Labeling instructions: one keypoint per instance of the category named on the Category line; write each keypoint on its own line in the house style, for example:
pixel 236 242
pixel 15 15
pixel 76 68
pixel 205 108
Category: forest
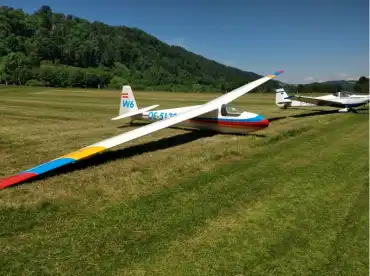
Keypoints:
pixel 359 86
pixel 59 50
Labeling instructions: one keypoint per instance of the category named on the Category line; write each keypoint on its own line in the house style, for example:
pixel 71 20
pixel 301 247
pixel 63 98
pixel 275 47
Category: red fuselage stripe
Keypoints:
pixel 231 123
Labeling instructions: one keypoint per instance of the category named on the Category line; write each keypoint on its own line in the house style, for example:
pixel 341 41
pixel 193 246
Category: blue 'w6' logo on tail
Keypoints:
pixel 128 104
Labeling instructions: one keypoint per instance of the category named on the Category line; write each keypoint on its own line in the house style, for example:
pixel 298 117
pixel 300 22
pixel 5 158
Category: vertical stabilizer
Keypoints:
pixel 128 103
pixel 280 98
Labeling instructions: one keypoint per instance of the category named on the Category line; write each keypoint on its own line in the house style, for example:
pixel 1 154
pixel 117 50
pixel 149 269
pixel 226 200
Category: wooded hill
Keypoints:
pixel 359 86
pixel 53 49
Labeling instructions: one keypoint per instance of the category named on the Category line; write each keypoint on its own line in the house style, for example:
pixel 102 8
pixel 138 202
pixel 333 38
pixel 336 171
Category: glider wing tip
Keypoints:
pixel 278 72
pixel 15 179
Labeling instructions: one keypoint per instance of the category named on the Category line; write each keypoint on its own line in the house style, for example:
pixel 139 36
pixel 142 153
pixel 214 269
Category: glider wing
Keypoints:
pixel 133 134
pixel 316 101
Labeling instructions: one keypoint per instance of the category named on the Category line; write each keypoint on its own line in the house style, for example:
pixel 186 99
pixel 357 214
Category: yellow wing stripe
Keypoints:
pixel 82 153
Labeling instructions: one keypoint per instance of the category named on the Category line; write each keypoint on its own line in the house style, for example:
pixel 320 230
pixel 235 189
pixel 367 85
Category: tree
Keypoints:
pixel 117 82
pixel 362 85
pixel 64 50
pixel 197 87
pixel 300 88
pixel 17 67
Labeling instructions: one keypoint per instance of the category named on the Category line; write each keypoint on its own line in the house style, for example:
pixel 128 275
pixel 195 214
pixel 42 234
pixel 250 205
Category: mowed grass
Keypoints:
pixel 288 200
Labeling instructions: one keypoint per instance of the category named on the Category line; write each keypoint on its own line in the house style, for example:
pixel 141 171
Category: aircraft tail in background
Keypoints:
pixel 282 100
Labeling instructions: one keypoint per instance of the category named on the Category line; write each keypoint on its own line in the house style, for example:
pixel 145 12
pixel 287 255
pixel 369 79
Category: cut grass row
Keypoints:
pixel 290 201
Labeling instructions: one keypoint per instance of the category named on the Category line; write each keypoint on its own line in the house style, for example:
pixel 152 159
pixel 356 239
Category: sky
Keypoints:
pixel 314 40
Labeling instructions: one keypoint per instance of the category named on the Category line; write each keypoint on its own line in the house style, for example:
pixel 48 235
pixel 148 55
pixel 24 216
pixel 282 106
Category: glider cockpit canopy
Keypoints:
pixel 343 94
pixel 230 110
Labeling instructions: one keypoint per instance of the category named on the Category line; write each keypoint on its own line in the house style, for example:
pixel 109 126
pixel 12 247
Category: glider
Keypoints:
pixel 226 119
pixel 214 114
pixel 345 100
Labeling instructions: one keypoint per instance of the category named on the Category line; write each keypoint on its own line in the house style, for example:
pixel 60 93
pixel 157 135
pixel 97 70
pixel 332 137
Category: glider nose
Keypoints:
pixel 261 122
pixel 264 122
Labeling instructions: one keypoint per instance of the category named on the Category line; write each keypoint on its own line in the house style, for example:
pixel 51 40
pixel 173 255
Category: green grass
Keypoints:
pixel 291 200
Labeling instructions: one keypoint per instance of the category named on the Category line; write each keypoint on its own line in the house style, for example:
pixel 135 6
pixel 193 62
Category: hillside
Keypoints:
pixel 359 86
pixel 346 85
pixel 52 49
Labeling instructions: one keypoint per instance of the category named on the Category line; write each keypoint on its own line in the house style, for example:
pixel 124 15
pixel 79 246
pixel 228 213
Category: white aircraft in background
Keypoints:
pixel 345 100
pixel 213 115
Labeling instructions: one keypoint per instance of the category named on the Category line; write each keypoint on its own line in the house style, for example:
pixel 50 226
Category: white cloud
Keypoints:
pixel 309 78
pixel 343 75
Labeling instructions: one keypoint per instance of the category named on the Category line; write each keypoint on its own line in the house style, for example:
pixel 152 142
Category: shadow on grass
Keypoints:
pixel 111 155
pixel 138 124
pixel 315 112
pixel 133 124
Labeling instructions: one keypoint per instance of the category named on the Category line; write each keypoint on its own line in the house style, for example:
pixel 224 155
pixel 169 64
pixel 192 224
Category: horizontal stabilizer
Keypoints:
pixel 133 113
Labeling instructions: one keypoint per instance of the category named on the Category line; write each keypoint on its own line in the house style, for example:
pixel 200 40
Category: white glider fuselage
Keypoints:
pixel 342 99
pixel 226 118
pixel 220 120
pixel 348 100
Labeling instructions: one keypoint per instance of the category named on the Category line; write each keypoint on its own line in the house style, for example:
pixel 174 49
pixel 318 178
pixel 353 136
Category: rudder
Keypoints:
pixel 128 103
pixel 280 98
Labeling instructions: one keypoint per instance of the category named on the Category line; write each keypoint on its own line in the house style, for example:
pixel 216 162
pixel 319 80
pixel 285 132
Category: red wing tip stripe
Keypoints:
pixel 15 179
pixel 278 72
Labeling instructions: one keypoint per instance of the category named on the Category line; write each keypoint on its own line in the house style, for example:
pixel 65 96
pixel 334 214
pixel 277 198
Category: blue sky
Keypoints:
pixel 314 40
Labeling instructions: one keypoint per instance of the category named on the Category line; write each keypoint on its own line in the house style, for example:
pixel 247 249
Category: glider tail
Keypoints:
pixel 280 98
pixel 128 103
pixel 128 107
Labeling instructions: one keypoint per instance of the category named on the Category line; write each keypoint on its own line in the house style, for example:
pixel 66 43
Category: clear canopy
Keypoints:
pixel 346 94
pixel 230 110
pixel 343 94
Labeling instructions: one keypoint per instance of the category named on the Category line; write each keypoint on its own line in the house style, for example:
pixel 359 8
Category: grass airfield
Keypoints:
pixel 291 199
